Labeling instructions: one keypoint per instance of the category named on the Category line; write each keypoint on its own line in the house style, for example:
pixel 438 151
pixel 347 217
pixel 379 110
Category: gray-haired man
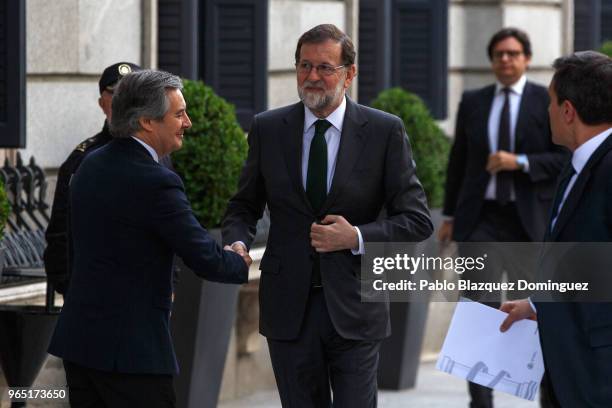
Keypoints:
pixel 129 217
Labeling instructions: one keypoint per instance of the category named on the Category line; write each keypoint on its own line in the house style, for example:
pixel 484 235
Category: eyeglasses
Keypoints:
pixel 497 55
pixel 323 69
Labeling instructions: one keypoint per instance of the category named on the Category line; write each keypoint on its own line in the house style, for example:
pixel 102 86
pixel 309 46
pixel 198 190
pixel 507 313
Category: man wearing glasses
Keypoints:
pixel 325 167
pixel 502 167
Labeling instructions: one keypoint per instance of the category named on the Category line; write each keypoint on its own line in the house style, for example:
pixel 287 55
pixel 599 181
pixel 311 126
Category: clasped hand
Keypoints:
pixel 334 233
pixel 502 161
pixel 241 250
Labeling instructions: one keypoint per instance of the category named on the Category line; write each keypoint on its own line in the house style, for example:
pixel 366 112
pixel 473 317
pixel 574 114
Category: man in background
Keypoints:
pixel 502 166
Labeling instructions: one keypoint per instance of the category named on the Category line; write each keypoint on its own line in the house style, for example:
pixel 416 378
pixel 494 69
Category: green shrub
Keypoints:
pixel 430 146
pixel 606 48
pixel 213 152
pixel 5 210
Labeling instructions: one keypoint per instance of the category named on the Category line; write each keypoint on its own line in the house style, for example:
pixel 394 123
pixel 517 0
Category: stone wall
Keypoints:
pixel 288 19
pixel 473 22
pixel 69 43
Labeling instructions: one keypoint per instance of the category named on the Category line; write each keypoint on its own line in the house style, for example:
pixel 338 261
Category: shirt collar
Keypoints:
pixel 583 153
pixel 151 151
pixel 518 87
pixel 336 118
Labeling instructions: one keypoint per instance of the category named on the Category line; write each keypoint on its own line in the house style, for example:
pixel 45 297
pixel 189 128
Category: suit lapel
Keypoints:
pixel 575 194
pixel 352 141
pixel 481 117
pixel 292 134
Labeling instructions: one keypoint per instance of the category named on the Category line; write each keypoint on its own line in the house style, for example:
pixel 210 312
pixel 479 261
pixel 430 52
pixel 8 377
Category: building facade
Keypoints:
pixel 52 53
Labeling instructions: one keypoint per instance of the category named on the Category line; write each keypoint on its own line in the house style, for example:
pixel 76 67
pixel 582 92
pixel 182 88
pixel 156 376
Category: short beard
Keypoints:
pixel 316 101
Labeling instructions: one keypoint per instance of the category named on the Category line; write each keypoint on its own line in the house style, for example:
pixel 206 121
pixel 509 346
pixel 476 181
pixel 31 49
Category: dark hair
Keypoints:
pixel 585 79
pixel 324 32
pixel 140 94
pixel 507 32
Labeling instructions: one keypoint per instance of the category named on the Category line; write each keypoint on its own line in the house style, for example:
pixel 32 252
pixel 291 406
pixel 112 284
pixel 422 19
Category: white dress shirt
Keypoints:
pixel 151 151
pixel 332 137
pixel 580 157
pixel 515 96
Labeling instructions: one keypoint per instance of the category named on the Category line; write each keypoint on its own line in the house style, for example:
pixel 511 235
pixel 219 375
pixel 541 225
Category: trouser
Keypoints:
pixel 91 388
pixel 321 362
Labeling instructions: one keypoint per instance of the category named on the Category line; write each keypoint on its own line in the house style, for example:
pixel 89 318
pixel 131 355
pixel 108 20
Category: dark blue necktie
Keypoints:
pixel 563 183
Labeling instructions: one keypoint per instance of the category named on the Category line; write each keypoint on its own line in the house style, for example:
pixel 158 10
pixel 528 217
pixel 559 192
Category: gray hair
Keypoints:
pixel 140 94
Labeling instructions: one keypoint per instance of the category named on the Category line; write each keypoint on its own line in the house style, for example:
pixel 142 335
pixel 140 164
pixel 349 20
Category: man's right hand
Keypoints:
pixel 517 310
pixel 241 250
pixel 445 233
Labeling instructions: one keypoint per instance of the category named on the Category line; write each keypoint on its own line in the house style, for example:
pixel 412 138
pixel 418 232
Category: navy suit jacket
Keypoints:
pixel 374 172
pixel 129 217
pixel 467 177
pixel 577 337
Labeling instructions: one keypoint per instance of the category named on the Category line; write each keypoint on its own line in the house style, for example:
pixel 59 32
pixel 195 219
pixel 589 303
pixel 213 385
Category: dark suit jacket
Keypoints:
pixel 59 251
pixel 130 216
pixel 467 178
pixel 374 171
pixel 577 337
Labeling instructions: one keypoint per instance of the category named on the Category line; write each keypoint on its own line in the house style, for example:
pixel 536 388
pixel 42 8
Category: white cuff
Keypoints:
pixel 532 306
pixel 523 160
pixel 241 243
pixel 361 249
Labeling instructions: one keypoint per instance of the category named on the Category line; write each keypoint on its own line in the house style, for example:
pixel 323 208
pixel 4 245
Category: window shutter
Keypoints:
pixel 420 50
pixel 586 24
pixel 606 20
pixel 235 56
pixel 177 37
pixel 374 53
pixel 12 74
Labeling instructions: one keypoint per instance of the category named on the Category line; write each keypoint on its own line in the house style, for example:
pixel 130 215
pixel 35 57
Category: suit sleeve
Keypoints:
pixel 246 207
pixel 407 216
pixel 456 163
pixel 173 220
pixel 546 166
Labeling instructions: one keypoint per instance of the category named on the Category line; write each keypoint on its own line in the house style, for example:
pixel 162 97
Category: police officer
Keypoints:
pixel 58 254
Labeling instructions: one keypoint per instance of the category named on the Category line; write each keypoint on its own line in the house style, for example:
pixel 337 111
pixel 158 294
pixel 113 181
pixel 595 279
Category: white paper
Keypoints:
pixel 476 350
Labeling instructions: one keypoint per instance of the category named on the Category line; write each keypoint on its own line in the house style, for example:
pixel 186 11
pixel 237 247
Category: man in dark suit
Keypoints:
pixel 59 252
pixel 502 168
pixel 576 338
pixel 130 216
pixel 325 167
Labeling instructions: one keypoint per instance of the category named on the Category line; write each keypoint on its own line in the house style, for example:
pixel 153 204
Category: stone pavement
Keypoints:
pixel 434 390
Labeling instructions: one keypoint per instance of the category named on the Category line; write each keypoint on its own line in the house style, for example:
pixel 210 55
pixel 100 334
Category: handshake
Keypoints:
pixel 241 250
